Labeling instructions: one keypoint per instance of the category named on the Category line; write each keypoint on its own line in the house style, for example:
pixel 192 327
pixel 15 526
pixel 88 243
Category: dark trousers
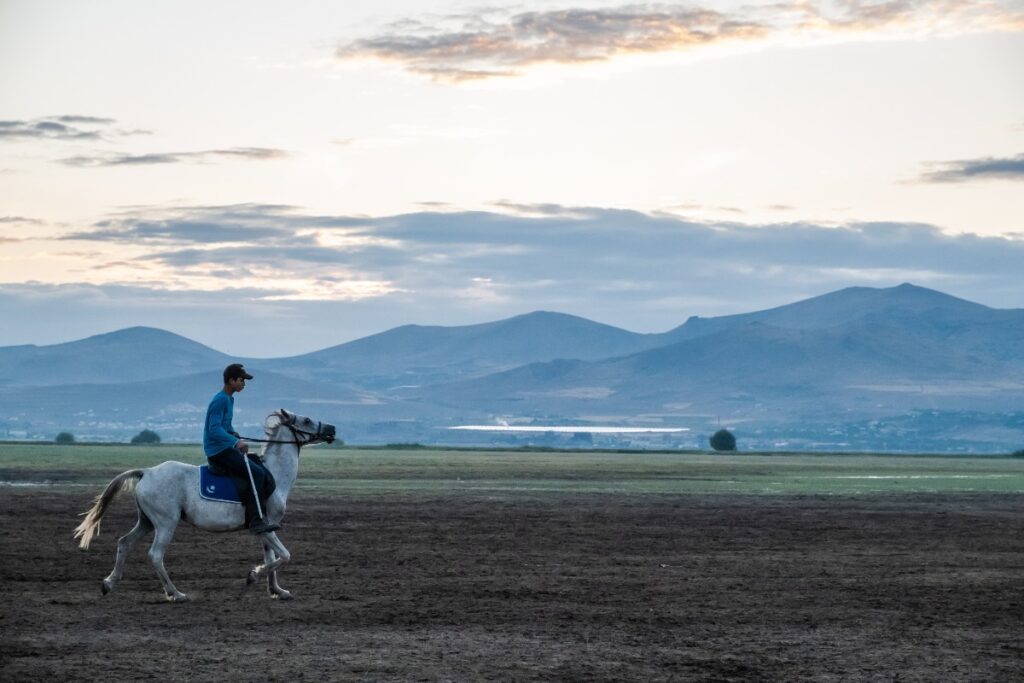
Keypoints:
pixel 232 461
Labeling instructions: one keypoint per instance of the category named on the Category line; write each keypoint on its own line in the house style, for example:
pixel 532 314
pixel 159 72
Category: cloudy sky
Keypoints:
pixel 272 178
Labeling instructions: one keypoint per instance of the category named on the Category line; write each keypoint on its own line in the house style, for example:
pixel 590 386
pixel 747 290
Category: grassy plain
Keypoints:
pixel 356 471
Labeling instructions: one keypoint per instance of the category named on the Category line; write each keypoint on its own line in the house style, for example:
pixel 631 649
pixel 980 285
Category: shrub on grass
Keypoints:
pixel 64 438
pixel 723 440
pixel 146 436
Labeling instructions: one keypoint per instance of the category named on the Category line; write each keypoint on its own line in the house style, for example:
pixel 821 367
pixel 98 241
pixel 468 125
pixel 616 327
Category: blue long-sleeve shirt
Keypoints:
pixel 218 434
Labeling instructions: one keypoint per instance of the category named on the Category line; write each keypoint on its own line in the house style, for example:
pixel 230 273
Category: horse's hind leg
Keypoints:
pixel 161 540
pixel 255 572
pixel 124 546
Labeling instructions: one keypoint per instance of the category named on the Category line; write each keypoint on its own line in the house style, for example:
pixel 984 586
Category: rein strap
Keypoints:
pixel 247 438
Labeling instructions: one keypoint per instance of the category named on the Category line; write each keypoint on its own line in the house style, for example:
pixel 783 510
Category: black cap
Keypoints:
pixel 234 371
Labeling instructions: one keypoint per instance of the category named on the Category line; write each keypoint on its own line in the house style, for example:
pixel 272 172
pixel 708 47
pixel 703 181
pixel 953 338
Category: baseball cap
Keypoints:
pixel 234 371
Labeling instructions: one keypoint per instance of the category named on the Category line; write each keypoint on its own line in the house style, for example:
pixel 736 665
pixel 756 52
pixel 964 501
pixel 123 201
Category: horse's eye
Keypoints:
pixel 308 421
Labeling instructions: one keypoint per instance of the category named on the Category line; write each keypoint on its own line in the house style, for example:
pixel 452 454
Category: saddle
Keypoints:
pixel 215 484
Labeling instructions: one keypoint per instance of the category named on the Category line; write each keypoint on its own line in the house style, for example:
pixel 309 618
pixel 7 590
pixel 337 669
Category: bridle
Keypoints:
pixel 289 422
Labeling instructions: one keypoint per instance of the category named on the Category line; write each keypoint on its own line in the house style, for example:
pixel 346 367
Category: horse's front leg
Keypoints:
pixel 274 556
pixel 277 556
pixel 273 587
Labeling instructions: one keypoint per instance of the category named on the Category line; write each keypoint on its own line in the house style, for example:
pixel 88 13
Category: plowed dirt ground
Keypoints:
pixel 545 587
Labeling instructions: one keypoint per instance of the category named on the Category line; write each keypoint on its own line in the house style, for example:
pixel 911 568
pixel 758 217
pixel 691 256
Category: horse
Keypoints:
pixel 169 492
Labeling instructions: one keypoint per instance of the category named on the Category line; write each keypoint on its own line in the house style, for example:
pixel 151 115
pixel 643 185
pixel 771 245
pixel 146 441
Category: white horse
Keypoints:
pixel 169 492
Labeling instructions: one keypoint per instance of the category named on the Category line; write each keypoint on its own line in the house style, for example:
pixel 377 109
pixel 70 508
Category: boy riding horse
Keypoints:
pixel 228 451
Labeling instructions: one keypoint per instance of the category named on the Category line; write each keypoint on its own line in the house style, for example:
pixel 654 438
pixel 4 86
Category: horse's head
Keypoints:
pixel 305 430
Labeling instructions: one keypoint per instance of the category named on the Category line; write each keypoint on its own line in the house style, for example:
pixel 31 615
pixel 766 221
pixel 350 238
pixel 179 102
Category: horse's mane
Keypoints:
pixel 268 428
pixel 273 421
pixel 271 424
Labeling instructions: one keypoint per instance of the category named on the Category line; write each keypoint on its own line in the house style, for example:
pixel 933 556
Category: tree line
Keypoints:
pixel 146 436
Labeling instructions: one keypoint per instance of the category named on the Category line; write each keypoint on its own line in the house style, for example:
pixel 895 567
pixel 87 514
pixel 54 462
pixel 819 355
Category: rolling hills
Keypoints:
pixel 898 368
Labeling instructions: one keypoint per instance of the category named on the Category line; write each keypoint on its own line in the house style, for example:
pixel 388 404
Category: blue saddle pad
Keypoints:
pixel 217 487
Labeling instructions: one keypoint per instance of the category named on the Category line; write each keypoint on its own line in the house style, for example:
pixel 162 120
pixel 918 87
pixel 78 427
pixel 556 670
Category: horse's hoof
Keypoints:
pixel 177 597
pixel 106 587
pixel 282 595
pixel 251 578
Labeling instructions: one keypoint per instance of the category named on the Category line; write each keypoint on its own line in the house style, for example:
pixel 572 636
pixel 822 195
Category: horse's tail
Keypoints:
pixel 90 526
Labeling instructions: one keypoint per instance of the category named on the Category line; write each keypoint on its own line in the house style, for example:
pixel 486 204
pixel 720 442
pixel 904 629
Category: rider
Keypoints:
pixel 229 451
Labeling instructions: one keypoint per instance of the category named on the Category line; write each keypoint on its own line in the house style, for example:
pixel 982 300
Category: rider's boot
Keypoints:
pixel 261 526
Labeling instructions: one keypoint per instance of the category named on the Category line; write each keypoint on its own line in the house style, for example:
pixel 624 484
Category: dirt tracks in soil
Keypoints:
pixel 542 588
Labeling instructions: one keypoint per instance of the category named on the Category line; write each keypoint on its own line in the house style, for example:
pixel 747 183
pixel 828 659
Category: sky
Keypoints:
pixel 275 178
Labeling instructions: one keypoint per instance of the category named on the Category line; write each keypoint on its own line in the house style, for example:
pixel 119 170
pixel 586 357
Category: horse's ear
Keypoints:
pixel 286 416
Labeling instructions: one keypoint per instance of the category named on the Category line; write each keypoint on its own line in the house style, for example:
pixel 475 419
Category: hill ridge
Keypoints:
pixel 840 369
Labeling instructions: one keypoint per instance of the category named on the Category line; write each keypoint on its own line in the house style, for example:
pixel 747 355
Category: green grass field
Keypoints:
pixel 451 472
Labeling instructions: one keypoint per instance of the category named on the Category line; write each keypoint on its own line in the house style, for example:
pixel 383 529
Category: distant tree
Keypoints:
pixel 723 440
pixel 1018 454
pixel 64 438
pixel 582 440
pixel 146 436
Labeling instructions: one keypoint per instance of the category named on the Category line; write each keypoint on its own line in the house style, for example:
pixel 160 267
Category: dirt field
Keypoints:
pixel 549 587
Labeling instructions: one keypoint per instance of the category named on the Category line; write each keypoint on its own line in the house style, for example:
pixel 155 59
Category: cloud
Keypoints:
pixel 20 225
pixel 541 241
pixel 94 128
pixel 271 251
pixel 546 209
pixel 91 120
pixel 66 127
pixel 271 226
pixel 483 49
pixel 304 281
pixel 206 156
pixel 989 168
pixel 503 43
pixel 316 281
pixel 631 268
pixel 172 232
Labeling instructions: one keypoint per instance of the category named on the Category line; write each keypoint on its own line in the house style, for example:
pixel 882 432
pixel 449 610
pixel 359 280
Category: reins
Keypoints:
pixel 249 438
pixel 298 443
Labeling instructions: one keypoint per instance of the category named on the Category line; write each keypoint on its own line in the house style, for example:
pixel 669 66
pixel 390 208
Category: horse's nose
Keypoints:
pixel 329 431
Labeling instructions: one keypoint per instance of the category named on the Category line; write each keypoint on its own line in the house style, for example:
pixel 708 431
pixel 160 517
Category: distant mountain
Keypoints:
pixel 753 356
pixel 896 368
pixel 888 305
pixel 132 354
pixel 855 353
pixel 415 354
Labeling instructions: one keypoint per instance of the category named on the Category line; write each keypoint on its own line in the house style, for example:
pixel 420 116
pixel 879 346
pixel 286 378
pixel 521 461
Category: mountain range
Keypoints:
pixel 903 369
